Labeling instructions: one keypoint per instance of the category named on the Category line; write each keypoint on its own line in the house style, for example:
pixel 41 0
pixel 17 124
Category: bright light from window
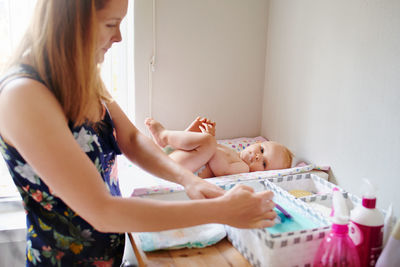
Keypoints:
pixel 117 70
pixel 14 18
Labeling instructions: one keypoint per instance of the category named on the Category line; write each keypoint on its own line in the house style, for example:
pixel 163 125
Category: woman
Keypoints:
pixel 60 133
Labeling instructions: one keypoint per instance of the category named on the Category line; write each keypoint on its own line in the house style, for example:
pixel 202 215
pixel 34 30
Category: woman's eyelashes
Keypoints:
pixel 113 23
pixel 264 164
pixel 262 150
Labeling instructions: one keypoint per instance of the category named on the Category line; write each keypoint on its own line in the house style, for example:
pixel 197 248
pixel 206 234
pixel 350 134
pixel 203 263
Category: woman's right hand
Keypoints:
pixel 244 208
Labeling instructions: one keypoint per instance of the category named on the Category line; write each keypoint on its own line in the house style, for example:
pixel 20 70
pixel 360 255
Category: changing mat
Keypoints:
pixel 237 144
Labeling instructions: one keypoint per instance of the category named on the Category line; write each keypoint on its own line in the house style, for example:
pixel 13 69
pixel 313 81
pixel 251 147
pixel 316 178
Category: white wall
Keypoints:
pixel 332 88
pixel 210 62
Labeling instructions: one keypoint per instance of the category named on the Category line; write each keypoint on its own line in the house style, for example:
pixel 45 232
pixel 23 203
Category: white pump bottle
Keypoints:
pixel 366 227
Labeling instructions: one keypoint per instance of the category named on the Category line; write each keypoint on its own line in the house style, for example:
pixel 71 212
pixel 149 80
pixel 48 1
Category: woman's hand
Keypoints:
pixel 198 188
pixel 245 209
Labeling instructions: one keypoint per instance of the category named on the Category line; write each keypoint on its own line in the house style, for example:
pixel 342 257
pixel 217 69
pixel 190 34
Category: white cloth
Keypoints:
pixel 191 237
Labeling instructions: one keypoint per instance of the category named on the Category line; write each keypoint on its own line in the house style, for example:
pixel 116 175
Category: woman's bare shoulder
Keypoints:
pixel 24 90
pixel 25 99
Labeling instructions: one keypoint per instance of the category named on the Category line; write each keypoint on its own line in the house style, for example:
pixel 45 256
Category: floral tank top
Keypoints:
pixel 56 235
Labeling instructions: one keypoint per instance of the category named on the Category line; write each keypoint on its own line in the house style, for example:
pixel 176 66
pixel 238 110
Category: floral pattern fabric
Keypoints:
pixel 56 235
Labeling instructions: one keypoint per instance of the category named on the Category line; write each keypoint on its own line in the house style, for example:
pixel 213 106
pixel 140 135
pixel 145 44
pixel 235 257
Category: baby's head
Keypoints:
pixel 267 155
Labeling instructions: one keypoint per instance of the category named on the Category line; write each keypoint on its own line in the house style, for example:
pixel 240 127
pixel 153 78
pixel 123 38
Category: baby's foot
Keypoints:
pixel 157 131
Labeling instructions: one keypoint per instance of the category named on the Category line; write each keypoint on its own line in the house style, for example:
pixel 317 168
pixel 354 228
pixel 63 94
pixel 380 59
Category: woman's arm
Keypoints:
pixel 239 207
pixel 33 122
pixel 145 153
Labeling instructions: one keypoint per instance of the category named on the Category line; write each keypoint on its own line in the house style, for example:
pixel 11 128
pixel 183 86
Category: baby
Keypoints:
pixel 196 149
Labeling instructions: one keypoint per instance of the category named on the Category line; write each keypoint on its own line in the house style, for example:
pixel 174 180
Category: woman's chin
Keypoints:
pixel 100 58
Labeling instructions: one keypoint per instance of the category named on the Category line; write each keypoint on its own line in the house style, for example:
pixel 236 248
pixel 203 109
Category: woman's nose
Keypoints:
pixel 117 36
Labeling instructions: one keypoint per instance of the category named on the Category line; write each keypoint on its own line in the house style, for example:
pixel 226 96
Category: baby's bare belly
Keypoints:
pixel 222 158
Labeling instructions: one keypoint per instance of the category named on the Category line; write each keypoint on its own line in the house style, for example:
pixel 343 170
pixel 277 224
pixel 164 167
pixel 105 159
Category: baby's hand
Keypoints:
pixel 208 127
pixel 199 122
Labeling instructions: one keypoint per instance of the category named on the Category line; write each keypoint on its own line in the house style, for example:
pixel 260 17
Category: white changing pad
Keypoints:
pixel 136 182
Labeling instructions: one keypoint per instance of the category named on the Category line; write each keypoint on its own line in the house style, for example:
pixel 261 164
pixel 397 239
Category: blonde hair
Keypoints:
pixel 60 44
pixel 286 154
pixel 289 157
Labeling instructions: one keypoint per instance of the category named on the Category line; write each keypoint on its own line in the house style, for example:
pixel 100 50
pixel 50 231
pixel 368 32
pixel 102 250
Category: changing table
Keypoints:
pixel 221 254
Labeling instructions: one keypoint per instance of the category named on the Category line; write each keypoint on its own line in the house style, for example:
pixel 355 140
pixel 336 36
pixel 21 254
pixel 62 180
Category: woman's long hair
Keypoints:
pixel 60 44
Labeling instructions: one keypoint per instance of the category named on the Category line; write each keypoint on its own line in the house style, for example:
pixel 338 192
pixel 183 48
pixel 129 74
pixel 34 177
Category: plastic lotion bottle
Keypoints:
pixel 366 227
pixel 337 249
pixel 390 256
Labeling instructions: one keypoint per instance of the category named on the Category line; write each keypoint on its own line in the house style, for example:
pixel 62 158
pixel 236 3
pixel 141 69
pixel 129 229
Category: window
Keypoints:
pixel 14 15
pixel 117 69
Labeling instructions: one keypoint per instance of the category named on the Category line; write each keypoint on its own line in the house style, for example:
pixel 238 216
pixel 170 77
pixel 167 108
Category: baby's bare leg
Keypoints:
pixel 198 157
pixel 193 149
pixel 194 126
pixel 185 140
pixel 157 131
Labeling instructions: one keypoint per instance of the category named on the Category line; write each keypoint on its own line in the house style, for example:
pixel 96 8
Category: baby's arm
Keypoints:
pixel 237 167
pixel 222 164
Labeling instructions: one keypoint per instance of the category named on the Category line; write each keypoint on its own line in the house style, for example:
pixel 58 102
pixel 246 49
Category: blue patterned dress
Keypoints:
pixel 56 235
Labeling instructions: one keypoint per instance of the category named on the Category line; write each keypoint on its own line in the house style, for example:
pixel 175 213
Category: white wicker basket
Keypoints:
pixel 261 248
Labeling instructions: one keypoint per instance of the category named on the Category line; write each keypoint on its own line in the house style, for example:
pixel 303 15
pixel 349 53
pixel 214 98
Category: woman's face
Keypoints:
pixel 109 20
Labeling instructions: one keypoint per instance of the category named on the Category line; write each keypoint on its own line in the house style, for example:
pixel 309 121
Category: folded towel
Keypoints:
pixel 190 237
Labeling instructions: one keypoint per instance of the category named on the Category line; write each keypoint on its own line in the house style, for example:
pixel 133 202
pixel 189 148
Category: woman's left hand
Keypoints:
pixel 198 188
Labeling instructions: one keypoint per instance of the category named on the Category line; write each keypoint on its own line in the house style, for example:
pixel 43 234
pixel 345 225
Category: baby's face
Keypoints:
pixel 265 156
